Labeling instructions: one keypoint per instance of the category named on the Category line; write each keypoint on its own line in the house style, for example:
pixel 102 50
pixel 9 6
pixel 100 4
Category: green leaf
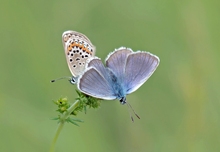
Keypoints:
pixel 73 120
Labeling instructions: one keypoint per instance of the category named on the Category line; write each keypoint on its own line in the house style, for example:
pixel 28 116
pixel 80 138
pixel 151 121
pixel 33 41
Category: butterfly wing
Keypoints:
pixel 116 61
pixel 78 49
pixel 139 67
pixel 71 34
pixel 97 64
pixel 94 82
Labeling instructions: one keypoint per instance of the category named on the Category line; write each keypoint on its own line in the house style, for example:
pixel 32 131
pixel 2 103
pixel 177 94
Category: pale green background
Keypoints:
pixel 179 105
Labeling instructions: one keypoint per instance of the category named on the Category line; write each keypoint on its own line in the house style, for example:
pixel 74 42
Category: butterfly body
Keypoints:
pixel 124 73
pixel 118 89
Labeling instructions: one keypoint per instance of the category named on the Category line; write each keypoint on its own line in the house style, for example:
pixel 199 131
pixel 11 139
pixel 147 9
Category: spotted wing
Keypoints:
pixel 78 49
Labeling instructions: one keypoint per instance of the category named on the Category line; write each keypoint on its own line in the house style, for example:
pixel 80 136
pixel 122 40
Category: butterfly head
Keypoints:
pixel 73 80
pixel 123 100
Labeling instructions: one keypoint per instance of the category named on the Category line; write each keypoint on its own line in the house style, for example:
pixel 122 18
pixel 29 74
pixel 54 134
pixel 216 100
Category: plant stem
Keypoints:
pixel 61 123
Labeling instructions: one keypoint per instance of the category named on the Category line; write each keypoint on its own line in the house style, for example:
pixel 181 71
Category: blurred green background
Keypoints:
pixel 179 105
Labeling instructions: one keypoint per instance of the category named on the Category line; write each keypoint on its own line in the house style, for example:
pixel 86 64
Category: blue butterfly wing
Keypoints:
pixel 116 61
pixel 98 65
pixel 126 71
pixel 94 82
pixel 139 67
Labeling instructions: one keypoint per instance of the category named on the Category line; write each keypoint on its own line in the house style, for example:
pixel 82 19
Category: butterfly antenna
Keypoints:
pixel 129 109
pixel 133 111
pixel 61 78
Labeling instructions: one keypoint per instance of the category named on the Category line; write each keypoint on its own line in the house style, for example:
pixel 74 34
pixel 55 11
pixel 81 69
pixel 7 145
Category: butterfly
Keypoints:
pixel 124 72
pixel 78 49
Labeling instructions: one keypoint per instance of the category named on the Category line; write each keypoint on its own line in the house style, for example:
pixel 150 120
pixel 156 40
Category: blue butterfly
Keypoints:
pixel 124 73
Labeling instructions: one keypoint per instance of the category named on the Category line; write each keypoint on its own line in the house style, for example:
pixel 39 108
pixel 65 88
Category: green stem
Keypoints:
pixel 61 123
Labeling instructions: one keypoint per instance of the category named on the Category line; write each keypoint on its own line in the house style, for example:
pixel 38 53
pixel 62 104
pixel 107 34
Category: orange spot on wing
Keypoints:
pixel 80 46
pixel 69 48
